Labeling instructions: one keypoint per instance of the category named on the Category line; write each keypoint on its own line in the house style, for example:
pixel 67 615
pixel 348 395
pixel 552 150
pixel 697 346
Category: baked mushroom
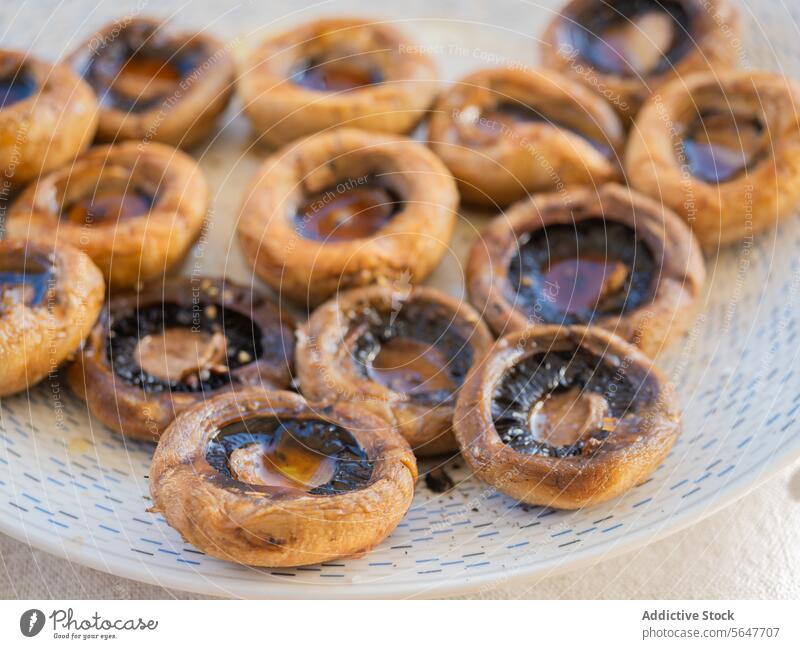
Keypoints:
pixel 608 257
pixel 154 83
pixel 399 351
pixel 347 208
pixel 721 150
pixel 47 116
pixel 505 133
pixel 627 48
pixel 135 209
pixel 49 301
pixel 565 417
pixel 335 72
pixel 155 353
pixel 266 479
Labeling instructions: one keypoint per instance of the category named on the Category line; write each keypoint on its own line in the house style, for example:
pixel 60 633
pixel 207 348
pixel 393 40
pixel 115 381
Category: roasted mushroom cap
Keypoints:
pixel 722 150
pixel 625 49
pixel 155 353
pixel 49 301
pixel 154 84
pixel 565 416
pixel 263 478
pixel 335 72
pixel 47 116
pixel 399 351
pixel 506 133
pixel 347 208
pixel 609 257
pixel 135 209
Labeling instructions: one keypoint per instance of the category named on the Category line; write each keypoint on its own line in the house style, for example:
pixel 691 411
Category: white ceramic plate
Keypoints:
pixel 73 488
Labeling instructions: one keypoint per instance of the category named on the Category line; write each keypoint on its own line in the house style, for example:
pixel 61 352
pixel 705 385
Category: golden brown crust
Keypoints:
pixel 271 526
pixel 281 110
pixel 638 444
pixel 680 271
pixel 726 212
pixel 526 156
pixel 35 340
pixel 135 413
pixel 135 249
pixel 183 117
pixel 714 35
pixel 308 271
pixel 49 128
pixel 327 368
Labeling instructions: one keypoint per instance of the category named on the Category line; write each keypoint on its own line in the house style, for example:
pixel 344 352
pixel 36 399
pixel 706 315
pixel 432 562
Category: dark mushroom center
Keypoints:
pixel 24 279
pixel 551 403
pixel 310 455
pixel 501 118
pixel 108 203
pixel 573 274
pixel 16 85
pixel 352 209
pixel 337 74
pixel 140 68
pixel 721 145
pixel 418 350
pixel 182 348
pixel 631 37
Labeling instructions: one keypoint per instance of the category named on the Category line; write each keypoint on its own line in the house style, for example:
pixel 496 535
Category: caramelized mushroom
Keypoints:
pixel 609 257
pixel 155 84
pixel 335 72
pixel 626 49
pixel 347 208
pixel 506 133
pixel 156 353
pixel 135 209
pixel 721 150
pixel 49 301
pixel 266 479
pixel 47 116
pixel 399 351
pixel 565 416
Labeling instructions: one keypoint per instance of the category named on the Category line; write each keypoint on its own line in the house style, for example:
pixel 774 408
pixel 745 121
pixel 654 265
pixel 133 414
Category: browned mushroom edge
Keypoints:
pixel 264 478
pixel 134 208
pixel 399 351
pixel 47 116
pixel 154 83
pixel 722 150
pixel 347 208
pixel 155 353
pixel 626 50
pixel 565 417
pixel 505 133
pixel 49 301
pixel 336 72
pixel 608 257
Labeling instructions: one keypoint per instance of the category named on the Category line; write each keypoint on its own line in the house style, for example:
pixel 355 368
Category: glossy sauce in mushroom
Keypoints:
pixel 24 279
pixel 551 403
pixel 16 86
pixel 573 274
pixel 353 209
pixel 337 74
pixel 721 145
pixel 418 351
pixel 181 348
pixel 108 205
pixel 310 455
pixel 501 118
pixel 632 37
